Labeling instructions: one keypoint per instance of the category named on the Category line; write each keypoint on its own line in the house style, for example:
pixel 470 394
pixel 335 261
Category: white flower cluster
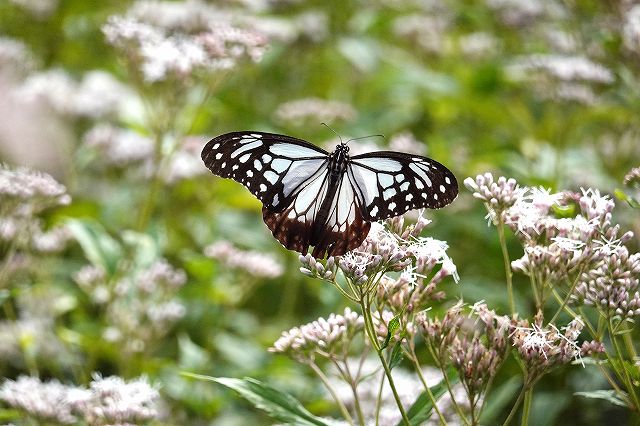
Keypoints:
pixel 118 147
pixel 14 53
pixel 561 67
pixel 109 400
pixel 561 77
pixel 631 29
pixel 97 95
pixel 320 337
pixel 298 111
pixel 254 263
pixel 166 40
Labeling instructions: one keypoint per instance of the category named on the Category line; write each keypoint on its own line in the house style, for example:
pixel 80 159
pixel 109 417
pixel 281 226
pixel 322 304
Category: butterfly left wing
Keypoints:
pixel 273 167
pixel 390 183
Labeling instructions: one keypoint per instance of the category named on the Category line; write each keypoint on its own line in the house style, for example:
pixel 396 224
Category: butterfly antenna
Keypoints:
pixel 365 137
pixel 329 127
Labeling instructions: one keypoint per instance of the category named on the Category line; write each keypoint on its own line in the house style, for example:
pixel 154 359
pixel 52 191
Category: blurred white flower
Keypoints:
pixel 37 8
pixel 112 400
pixel 317 110
pixel 165 40
pixel 45 401
pixel 561 67
pixel 255 263
pixel 186 163
pixel 118 147
pixel 406 142
pixel 631 29
pixel 479 45
pixel 32 187
pixel 15 53
pixel 428 31
pixel 109 400
pixel 97 95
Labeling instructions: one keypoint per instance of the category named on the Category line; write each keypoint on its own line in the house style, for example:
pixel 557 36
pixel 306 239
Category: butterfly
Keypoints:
pixel 326 200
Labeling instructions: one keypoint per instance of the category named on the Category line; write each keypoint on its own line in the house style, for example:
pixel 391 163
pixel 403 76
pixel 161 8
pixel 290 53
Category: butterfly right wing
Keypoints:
pixel 275 168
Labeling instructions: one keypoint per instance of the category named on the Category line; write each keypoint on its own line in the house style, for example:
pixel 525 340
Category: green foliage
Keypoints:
pixel 279 405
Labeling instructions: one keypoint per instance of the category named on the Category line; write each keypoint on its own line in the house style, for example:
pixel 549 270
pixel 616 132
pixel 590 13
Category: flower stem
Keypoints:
pixel 414 359
pixel 526 408
pixel 516 405
pixel 334 395
pixel 507 266
pixel 369 327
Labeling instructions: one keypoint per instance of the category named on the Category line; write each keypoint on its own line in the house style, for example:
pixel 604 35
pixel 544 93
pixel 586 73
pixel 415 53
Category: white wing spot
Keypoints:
pixel 257 165
pixel 420 172
pixel 388 193
pixel 244 158
pixel 435 196
pixel 404 186
pixel 266 158
pixel 374 211
pixel 249 173
pixel 271 177
pixel 246 147
pixel 409 197
pixel 280 165
pixel 218 156
pixel 392 206
pixel 256 135
pixel 223 165
pixel 419 184
pixel 263 187
pixel 446 179
pixel 399 177
pixel 385 180
pixel 442 189
pixel 424 195
pixel 215 146
pixel 275 200
pixel 235 167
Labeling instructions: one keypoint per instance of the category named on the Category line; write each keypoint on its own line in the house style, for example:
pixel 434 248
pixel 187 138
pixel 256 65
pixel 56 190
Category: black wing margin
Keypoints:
pixel 273 167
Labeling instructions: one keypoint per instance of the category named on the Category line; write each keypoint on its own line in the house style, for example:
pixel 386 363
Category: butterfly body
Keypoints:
pixel 326 200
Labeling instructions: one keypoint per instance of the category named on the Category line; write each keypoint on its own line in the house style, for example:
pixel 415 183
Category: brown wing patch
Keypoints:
pixel 297 235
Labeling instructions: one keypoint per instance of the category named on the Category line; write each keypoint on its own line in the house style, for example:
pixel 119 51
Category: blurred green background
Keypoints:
pixel 547 92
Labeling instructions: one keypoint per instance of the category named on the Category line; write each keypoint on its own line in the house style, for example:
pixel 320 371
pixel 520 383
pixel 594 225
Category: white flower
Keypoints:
pixel 255 263
pixel 97 95
pixel 563 68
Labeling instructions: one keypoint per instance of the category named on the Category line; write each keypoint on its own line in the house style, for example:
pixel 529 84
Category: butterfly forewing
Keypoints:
pixel 273 167
pixel 390 183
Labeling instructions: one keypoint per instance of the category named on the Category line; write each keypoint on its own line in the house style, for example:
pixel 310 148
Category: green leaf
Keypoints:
pixel 421 409
pixel 393 325
pixel 606 394
pixel 144 247
pixel 279 405
pixel 498 399
pixel 98 246
pixel 396 356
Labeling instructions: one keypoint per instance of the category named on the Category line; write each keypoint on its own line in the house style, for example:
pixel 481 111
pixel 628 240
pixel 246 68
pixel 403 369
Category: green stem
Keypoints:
pixel 368 322
pixel 526 408
pixel 507 265
pixel 627 377
pixel 516 405
pixel 439 364
pixel 334 395
pixel 414 359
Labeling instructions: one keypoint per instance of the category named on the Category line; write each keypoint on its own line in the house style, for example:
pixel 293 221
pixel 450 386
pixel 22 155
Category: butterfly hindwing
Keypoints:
pixel 344 228
pixel 390 183
pixel 273 167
